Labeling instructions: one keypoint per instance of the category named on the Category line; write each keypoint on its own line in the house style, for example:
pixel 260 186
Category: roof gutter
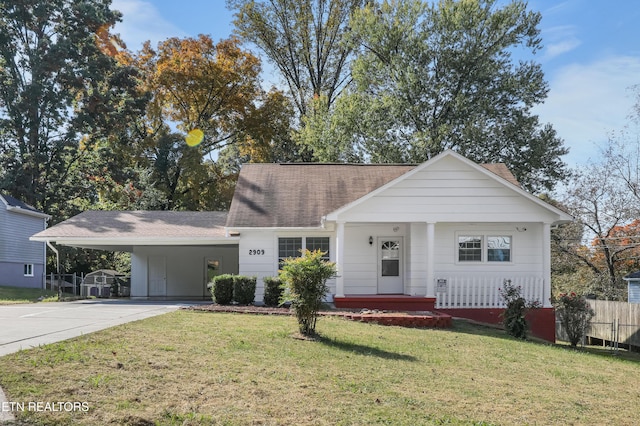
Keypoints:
pixel 28 212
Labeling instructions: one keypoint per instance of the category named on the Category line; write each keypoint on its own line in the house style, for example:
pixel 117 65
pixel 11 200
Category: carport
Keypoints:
pixel 173 254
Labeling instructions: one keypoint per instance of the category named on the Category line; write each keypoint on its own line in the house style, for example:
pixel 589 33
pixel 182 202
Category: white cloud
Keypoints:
pixel 561 39
pixel 587 102
pixel 558 48
pixel 141 21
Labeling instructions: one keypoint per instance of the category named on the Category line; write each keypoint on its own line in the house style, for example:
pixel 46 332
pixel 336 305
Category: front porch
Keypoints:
pixel 472 297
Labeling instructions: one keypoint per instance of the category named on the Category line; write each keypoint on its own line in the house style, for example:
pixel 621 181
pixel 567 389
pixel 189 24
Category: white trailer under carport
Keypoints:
pixel 173 253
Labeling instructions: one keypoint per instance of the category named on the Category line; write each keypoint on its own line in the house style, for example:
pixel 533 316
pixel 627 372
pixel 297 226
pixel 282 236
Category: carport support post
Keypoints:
pixel 55 250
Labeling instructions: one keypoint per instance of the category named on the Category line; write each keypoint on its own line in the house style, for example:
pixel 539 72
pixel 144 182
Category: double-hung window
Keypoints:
pixel 499 248
pixel 28 270
pixel 293 246
pixel 470 248
pixel 484 248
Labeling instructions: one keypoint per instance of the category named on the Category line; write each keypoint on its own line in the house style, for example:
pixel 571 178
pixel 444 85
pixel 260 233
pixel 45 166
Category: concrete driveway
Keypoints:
pixel 30 325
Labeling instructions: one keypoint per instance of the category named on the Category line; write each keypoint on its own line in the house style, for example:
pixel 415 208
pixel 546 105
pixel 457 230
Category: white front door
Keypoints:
pixel 157 276
pixel 390 280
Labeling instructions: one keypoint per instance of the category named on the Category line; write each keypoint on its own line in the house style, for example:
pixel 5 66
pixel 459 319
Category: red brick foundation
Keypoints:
pixel 404 319
pixel 542 322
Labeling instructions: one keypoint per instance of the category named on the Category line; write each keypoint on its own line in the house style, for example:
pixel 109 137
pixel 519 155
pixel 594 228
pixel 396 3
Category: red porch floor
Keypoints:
pixel 391 302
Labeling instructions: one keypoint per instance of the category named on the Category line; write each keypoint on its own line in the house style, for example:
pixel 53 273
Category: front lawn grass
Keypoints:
pixel 13 295
pixel 188 368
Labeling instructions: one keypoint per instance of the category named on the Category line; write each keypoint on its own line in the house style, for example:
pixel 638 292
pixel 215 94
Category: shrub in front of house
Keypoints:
pixel 222 289
pixel 244 289
pixel 305 282
pixel 513 317
pixel 272 291
pixel 574 313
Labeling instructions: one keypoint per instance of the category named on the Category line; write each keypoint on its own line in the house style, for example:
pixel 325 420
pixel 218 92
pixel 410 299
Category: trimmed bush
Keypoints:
pixel 222 289
pixel 305 281
pixel 272 291
pixel 244 289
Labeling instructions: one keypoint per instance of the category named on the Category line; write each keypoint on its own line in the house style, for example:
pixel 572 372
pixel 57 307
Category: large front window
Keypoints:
pixel 484 248
pixel 292 247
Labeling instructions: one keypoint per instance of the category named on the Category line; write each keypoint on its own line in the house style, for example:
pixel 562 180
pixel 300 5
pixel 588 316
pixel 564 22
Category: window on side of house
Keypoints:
pixel 470 248
pixel 28 270
pixel 499 248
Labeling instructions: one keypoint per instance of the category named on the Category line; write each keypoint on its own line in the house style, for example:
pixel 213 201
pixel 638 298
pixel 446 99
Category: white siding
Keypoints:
pixel 254 263
pixel 526 250
pixel 447 191
pixel 361 258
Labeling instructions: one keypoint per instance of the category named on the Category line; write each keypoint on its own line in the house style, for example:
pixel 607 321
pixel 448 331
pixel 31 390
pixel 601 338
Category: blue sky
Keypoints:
pixel 591 57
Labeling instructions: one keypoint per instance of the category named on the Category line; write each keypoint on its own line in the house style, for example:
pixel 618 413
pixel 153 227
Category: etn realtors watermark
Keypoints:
pixel 42 406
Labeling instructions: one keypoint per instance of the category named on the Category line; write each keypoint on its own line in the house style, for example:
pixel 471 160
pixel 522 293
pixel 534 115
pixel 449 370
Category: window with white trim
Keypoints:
pixel 499 248
pixel 470 248
pixel 28 270
pixel 484 248
pixel 318 243
pixel 292 247
pixel 288 247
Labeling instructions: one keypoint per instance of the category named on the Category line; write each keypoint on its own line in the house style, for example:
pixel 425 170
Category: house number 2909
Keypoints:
pixel 256 252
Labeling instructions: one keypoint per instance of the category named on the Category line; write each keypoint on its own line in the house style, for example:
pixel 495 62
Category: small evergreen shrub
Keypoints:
pixel 244 289
pixel 513 317
pixel 222 289
pixel 305 283
pixel 574 313
pixel 272 291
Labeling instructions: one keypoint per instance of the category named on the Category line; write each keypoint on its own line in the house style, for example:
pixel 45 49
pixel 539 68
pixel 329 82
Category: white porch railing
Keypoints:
pixel 483 292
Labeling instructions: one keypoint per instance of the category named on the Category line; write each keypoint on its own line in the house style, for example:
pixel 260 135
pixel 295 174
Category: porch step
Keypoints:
pixel 388 302
pixel 403 319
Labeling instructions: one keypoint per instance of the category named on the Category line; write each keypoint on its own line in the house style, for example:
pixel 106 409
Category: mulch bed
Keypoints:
pixel 406 319
pixel 260 310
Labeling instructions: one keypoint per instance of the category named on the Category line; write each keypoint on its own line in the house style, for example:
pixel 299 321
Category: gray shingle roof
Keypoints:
pixel 140 224
pixel 14 202
pixel 300 194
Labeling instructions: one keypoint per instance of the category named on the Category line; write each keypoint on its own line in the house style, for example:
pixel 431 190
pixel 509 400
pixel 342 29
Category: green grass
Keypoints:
pixel 190 368
pixel 12 295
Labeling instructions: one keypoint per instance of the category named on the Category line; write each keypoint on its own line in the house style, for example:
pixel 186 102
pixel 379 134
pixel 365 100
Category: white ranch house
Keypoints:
pixel 441 235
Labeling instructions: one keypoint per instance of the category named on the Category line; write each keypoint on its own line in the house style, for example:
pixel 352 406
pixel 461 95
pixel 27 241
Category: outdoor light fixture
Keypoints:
pixel 370 241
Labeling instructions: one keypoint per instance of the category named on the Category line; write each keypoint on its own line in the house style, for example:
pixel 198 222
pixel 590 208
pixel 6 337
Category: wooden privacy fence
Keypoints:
pixel 625 320
pixel 614 323
pixel 483 292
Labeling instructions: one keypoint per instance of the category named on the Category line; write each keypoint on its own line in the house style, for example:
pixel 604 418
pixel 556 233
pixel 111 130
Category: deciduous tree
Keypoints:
pixel 62 90
pixel 304 39
pixel 436 76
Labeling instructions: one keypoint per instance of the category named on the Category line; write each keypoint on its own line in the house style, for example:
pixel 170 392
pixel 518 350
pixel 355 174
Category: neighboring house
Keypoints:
pixel 22 262
pixel 445 235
